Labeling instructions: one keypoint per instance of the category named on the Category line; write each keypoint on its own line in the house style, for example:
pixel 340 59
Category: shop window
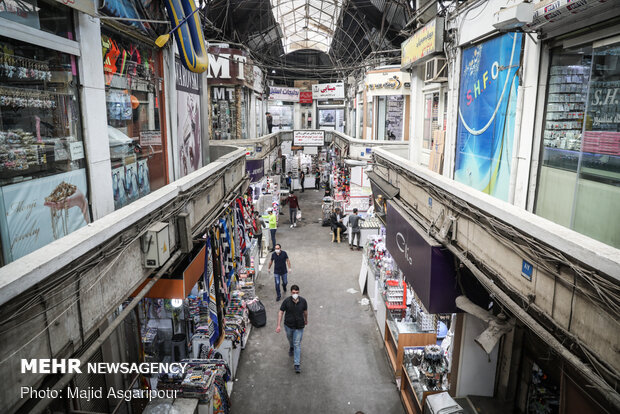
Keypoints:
pixel 579 181
pixel 47 15
pixel 394 118
pixel 282 116
pixel 43 182
pixel 431 118
pixel 133 97
pixel 223 113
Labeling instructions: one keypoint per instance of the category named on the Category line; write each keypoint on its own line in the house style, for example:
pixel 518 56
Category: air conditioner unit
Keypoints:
pixel 436 70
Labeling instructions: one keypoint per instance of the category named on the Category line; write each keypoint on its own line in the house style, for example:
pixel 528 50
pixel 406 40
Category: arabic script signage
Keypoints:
pixel 309 137
pixel 279 93
pixel 328 90
pixel 425 42
pixel 305 97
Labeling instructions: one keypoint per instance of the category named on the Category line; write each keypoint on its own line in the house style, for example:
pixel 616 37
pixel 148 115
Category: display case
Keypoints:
pixel 399 335
pixel 424 372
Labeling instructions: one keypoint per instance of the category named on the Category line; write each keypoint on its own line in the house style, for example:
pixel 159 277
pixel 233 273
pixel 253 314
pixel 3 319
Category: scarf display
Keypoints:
pixel 213 329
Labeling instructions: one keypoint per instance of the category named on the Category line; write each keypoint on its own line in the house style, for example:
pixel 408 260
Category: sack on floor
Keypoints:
pixel 258 314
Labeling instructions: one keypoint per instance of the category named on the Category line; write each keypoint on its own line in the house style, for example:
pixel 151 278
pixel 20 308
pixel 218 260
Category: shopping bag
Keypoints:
pixel 298 214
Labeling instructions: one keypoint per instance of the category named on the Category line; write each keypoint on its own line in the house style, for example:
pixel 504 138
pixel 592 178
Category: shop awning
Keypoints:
pixel 180 283
pixel 382 191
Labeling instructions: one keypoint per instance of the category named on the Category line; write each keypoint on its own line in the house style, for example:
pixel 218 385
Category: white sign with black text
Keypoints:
pixel 328 90
pixel 309 137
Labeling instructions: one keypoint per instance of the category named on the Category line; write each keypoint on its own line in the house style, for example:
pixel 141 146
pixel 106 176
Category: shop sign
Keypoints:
pixel 527 270
pixel 328 90
pixel 227 66
pixel 487 110
pixel 255 169
pixel 150 137
pixel 305 97
pixel 85 6
pixel 280 93
pixel 186 81
pixel 426 265
pixel 386 83
pixel 305 83
pixel 35 213
pixel 309 137
pixel 424 43
pixel 258 79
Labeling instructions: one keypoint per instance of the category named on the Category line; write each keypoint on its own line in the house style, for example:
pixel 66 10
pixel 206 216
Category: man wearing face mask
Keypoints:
pixel 295 312
pixel 280 271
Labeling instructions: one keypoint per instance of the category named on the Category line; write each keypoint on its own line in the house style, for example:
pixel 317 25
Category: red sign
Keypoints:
pixel 305 97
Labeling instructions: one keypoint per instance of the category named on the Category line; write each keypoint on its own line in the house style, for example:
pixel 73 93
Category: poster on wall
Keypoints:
pixel 118 187
pixel 189 134
pixel 37 212
pixel 487 112
pixel 144 185
pixel 309 137
pixel 327 117
pixel 394 118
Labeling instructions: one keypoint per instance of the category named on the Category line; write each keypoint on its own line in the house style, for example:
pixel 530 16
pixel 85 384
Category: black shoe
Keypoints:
pixel 297 369
pixel 284 287
pixel 278 299
pixel 290 351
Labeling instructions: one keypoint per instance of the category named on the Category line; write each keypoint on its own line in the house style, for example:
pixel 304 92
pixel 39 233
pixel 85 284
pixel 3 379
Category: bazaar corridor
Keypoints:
pixel 344 366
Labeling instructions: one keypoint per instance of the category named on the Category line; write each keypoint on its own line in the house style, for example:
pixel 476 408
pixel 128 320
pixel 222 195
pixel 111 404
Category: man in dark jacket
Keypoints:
pixel 294 309
pixel 336 222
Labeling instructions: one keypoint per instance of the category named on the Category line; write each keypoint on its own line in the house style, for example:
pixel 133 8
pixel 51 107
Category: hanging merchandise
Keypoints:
pixel 209 276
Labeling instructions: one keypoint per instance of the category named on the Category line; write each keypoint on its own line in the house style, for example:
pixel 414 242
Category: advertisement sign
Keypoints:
pixel 255 169
pixel 309 137
pixel 305 97
pixel 228 67
pixel 258 79
pixel 487 111
pixel 328 90
pixel 424 43
pixel 37 212
pixel 189 133
pixel 555 11
pixel 281 93
pixel 426 265
pixel 387 83
pixel 144 184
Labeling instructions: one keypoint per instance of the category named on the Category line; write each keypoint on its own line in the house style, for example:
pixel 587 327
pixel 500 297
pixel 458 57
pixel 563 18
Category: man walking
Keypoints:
pixel 293 204
pixel 280 272
pixel 295 312
pixel 354 222
pixel 317 180
pixel 273 226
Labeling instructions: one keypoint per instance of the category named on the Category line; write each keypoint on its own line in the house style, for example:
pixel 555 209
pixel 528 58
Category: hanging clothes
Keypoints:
pixel 209 296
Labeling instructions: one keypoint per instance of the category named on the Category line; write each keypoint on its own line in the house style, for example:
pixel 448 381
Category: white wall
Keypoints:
pixel 95 119
pixel 476 374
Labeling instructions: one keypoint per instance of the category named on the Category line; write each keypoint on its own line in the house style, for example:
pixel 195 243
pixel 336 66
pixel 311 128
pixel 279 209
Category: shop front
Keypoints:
pixel 281 106
pixel 199 313
pixel 387 94
pixel 330 103
pixel 422 57
pixel 43 172
pixel 579 175
pixel 410 281
pixel 135 113
pixel 235 94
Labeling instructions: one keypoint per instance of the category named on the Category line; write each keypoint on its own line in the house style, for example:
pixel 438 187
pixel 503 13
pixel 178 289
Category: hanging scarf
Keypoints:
pixel 220 293
pixel 210 297
pixel 241 226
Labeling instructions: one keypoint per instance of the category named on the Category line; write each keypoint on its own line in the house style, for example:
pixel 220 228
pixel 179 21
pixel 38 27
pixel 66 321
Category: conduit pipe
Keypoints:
pixel 64 381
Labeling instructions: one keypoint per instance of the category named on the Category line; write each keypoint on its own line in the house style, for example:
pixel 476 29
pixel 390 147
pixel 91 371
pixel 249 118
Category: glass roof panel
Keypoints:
pixel 307 24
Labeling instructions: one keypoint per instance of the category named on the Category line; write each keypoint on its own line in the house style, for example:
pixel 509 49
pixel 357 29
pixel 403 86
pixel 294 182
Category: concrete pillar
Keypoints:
pixel 95 120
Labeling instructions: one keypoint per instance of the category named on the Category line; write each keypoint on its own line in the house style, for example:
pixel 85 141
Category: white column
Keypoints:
pixel 95 121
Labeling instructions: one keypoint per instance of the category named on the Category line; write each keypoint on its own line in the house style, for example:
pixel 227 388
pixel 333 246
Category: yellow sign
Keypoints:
pixel 425 42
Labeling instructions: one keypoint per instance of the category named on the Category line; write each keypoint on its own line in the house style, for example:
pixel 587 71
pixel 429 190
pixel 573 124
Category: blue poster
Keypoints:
pixel 37 212
pixel 487 112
